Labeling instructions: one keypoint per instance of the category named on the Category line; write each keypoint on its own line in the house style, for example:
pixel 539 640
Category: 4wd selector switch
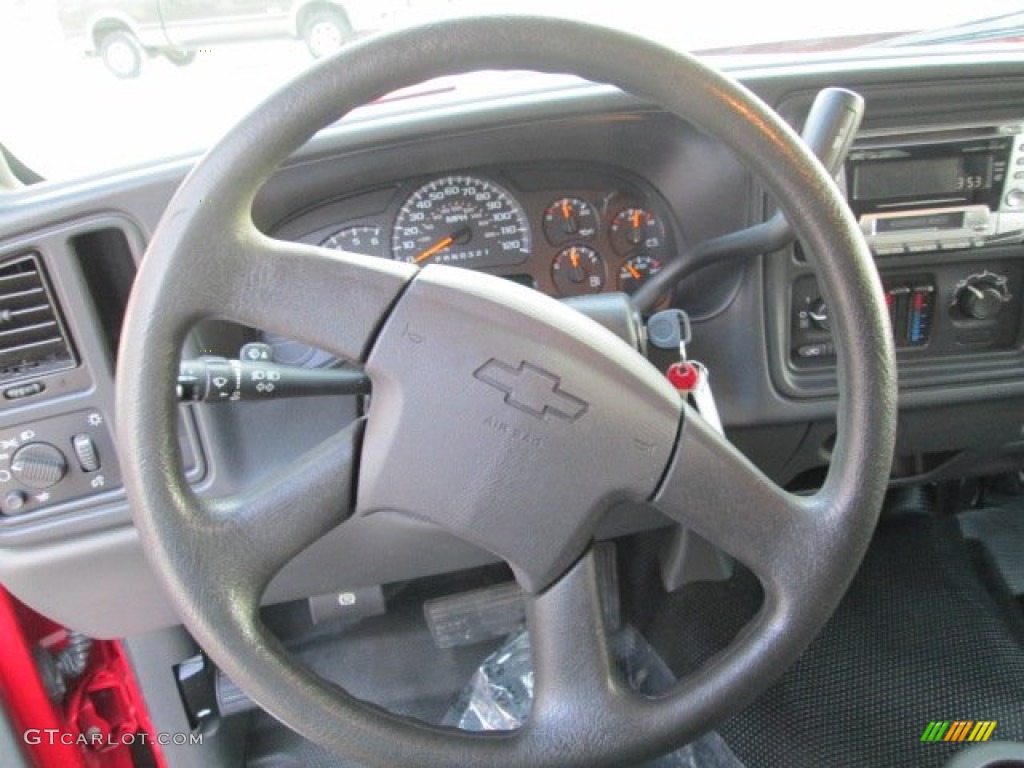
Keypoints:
pixel 39 465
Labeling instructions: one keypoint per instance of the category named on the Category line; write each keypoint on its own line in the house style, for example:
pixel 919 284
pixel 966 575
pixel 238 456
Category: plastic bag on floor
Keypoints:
pixel 499 695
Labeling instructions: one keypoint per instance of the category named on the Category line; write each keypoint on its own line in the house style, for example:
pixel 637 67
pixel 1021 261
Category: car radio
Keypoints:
pixel 942 189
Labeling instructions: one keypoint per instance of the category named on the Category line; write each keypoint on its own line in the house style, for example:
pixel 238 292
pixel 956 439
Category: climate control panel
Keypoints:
pixel 945 310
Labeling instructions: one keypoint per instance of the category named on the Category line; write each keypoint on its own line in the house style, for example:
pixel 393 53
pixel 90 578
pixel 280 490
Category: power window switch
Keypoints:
pixel 85 452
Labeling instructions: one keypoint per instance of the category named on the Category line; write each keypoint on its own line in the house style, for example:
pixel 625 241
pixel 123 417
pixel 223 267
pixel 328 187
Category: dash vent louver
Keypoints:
pixel 33 341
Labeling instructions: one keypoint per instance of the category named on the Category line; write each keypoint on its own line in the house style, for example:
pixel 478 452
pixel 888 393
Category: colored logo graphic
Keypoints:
pixel 958 730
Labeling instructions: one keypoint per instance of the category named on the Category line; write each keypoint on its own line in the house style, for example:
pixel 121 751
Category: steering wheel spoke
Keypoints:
pixel 330 299
pixel 715 490
pixel 573 669
pixel 271 523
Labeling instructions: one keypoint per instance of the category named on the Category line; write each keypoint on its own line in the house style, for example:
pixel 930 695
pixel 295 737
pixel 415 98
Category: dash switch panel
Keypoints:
pixel 56 460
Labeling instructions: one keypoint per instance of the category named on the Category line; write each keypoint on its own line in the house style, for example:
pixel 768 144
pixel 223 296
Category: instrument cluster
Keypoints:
pixel 565 233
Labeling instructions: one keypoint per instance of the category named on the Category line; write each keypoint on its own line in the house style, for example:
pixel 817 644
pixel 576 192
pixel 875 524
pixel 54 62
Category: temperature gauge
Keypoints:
pixel 634 228
pixel 577 271
pixel 570 219
pixel 635 271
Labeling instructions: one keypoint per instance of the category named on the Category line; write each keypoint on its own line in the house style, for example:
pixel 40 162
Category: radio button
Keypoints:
pixel 955 245
pixel 1015 198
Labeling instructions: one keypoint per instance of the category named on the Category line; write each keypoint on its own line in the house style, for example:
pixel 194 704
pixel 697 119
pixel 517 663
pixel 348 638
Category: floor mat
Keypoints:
pixel 402 681
pixel 1000 529
pixel 500 694
pixel 390 660
pixel 918 638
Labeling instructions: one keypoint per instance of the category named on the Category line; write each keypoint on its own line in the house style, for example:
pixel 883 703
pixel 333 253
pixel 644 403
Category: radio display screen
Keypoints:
pixel 900 179
pixel 913 178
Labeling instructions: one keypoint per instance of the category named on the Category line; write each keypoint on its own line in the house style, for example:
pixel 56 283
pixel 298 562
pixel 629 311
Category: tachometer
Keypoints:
pixel 365 239
pixel 461 220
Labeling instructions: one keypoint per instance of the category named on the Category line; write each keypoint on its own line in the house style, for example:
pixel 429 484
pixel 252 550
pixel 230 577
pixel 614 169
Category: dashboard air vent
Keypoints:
pixel 33 341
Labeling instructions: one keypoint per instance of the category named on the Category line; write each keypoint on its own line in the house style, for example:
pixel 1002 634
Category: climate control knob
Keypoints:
pixel 980 303
pixel 981 297
pixel 39 465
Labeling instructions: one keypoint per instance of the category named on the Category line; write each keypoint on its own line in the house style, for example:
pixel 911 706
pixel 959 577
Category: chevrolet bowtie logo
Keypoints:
pixel 532 390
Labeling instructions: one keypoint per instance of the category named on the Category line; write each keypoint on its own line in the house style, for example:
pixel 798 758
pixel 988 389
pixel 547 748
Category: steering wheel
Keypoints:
pixel 481 389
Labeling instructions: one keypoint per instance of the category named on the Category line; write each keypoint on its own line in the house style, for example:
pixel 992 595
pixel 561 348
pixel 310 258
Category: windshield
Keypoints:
pixel 92 85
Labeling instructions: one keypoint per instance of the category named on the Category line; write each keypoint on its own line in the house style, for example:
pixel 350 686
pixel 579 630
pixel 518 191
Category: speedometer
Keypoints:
pixel 464 221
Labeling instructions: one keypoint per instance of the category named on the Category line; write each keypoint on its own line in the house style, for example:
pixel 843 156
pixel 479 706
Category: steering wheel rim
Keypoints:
pixel 207 259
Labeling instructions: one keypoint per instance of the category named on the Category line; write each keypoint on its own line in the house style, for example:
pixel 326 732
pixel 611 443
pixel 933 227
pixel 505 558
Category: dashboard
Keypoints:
pixel 571 190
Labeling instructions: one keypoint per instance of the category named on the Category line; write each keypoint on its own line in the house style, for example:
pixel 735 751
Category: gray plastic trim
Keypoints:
pixel 88 387
pixel 993 754
pixel 12 749
pixel 153 657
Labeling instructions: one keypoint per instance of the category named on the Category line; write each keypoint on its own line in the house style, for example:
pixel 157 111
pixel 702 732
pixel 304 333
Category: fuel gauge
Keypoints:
pixel 577 271
pixel 569 218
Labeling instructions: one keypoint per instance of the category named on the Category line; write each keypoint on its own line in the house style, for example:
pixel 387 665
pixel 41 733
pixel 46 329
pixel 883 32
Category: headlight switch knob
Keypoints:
pixel 39 465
